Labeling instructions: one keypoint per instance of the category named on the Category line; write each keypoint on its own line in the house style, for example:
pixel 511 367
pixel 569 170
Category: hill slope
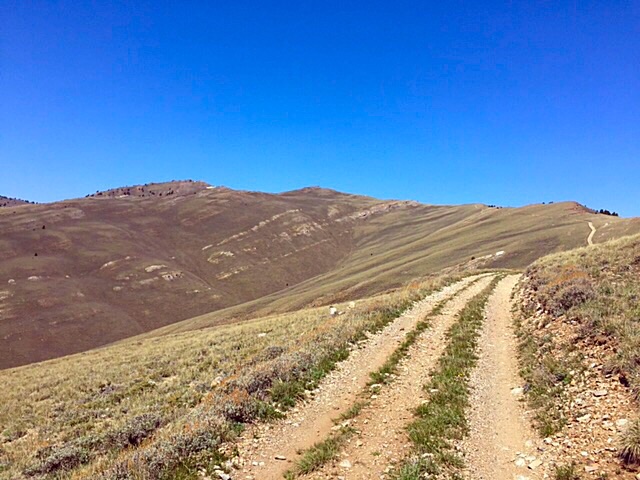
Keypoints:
pixel 580 352
pixel 87 272
pixel 11 202
pixel 392 249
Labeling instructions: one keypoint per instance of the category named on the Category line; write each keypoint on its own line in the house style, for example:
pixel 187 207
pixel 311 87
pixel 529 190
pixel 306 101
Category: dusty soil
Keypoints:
pixel 501 444
pixel 267 451
pixel 381 440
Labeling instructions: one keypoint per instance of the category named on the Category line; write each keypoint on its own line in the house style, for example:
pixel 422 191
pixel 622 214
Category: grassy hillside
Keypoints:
pixel 84 273
pixel 11 202
pixel 159 408
pixel 580 345
pixel 597 290
pixel 391 249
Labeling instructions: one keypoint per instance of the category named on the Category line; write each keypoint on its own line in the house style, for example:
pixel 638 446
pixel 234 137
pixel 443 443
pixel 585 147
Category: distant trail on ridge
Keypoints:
pixel 593 232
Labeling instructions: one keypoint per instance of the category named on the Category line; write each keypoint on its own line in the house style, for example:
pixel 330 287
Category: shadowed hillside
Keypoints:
pixel 83 273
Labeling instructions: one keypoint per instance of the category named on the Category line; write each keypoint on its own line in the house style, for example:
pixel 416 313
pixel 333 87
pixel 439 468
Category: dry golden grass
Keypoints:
pixel 391 249
pixel 595 292
pixel 598 288
pixel 117 410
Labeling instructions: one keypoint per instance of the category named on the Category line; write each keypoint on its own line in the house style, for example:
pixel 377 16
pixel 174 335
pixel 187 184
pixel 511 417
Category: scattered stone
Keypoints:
pixel 600 393
pixel 280 457
pixel 584 418
pixel 535 464
pixel 345 464
pixel 520 462
pixel 153 268
pixel 517 391
pixel 622 423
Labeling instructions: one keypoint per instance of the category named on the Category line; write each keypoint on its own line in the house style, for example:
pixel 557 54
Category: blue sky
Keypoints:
pixel 442 102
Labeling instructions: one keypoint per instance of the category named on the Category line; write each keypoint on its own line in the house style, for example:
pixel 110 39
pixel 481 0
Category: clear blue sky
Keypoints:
pixel 443 102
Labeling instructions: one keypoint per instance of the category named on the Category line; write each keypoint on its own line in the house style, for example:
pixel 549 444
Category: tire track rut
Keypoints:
pixel 265 451
pixel 381 439
pixel 501 444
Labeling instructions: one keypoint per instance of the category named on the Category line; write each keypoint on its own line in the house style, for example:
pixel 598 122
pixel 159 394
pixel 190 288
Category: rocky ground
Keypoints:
pixel 597 406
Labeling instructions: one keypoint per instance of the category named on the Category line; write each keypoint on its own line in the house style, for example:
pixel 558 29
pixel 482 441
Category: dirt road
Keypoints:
pixel 266 451
pixel 381 440
pixel 593 232
pixel 500 445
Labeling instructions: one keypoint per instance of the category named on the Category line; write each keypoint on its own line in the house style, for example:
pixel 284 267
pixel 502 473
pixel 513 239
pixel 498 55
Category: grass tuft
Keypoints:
pixel 630 444
pixel 567 472
pixel 320 453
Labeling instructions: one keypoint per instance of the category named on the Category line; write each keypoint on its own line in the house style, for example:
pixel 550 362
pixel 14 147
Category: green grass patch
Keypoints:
pixel 567 472
pixel 321 453
pixel 353 411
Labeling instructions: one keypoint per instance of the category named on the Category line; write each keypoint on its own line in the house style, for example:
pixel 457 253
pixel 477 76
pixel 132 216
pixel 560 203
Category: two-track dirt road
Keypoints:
pixel 500 445
pixel 266 451
pixel 501 442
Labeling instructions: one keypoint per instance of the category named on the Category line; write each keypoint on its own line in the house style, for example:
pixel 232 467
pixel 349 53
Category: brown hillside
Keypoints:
pixel 83 273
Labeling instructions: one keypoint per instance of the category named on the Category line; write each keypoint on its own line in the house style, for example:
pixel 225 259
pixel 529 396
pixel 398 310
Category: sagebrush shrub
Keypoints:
pixel 57 458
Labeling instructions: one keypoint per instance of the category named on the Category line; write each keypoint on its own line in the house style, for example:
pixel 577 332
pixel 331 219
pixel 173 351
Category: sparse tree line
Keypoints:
pixel 603 211
pixel 7 201
pixel 607 212
pixel 140 189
